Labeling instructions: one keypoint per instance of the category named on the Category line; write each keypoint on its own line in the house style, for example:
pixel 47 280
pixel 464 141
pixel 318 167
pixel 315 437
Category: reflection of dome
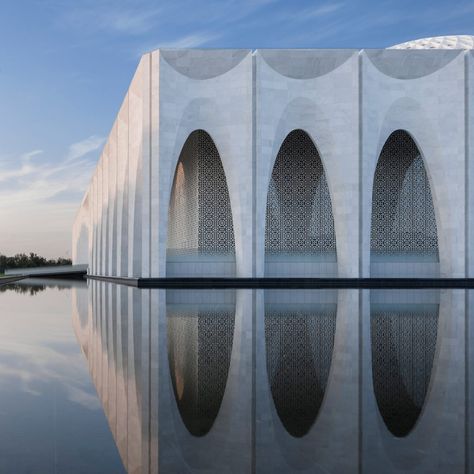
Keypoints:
pixel 439 42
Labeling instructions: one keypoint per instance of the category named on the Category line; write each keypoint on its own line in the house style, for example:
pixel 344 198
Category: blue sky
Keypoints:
pixel 66 65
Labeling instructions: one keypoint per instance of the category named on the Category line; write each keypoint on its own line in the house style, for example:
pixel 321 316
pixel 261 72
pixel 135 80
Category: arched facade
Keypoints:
pixel 348 102
pixel 299 226
pixel 200 228
pixel 404 240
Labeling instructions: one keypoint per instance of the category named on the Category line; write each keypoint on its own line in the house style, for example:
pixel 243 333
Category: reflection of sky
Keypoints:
pixel 50 417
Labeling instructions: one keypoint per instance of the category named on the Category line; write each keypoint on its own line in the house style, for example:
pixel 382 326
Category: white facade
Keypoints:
pixel 348 103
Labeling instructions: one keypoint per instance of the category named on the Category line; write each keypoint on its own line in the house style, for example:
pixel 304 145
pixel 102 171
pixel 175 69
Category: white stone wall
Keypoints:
pixel 423 93
pixel 348 101
pixel 316 91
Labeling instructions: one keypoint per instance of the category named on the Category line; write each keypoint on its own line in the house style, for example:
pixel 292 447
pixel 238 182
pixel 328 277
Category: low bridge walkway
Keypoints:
pixel 58 271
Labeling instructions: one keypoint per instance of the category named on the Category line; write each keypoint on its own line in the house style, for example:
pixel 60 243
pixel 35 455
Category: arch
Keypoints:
pixel 399 64
pixel 305 63
pixel 201 64
pixel 299 343
pixel 200 340
pixel 299 228
pixel 403 226
pixel 403 345
pixel 200 229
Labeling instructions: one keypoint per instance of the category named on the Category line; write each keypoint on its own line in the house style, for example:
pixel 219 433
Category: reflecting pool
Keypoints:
pixel 51 419
pixel 100 377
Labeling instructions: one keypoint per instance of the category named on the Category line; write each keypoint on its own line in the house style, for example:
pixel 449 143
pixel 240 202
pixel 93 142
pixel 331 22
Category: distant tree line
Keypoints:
pixel 22 260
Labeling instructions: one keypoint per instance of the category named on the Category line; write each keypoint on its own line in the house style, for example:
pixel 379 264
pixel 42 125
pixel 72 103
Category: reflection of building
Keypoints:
pixel 288 162
pixel 281 381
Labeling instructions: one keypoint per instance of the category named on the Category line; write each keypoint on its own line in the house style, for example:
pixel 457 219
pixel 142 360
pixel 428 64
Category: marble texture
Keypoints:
pixel 347 101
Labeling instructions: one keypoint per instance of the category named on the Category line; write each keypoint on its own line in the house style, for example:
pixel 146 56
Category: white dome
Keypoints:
pixel 439 42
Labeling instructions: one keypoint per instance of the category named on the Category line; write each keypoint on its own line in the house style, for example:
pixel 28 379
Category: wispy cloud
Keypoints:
pixel 112 18
pixel 39 194
pixel 318 11
pixel 347 28
pixel 84 147
pixel 129 21
pixel 188 41
pixel 23 168
pixel 32 181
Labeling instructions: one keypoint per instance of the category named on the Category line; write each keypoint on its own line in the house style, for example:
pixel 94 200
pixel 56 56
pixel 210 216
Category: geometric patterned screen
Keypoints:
pixel 199 215
pixel 299 216
pixel 403 218
pixel 199 354
pixel 403 349
pixel 299 347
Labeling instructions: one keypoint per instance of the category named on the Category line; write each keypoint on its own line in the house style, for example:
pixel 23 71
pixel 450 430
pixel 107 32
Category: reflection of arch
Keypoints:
pixel 299 345
pixel 403 219
pixel 199 352
pixel 299 218
pixel 403 340
pixel 200 227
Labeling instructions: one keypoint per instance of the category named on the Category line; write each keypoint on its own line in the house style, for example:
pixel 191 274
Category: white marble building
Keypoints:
pixel 349 163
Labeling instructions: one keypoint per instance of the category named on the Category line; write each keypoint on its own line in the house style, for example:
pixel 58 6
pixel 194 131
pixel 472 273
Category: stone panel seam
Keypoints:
pixel 467 272
pixel 360 158
pixel 466 163
pixel 254 164
pixel 150 128
pixel 360 292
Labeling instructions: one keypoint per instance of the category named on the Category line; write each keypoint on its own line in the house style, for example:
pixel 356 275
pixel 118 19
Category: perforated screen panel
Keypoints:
pixel 299 215
pixel 403 218
pixel 200 216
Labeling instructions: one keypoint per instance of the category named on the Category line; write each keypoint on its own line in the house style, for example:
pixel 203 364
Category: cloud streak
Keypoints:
pixel 319 11
pixel 36 180
pixel 84 147
pixel 109 17
pixel 39 196
pixel 189 41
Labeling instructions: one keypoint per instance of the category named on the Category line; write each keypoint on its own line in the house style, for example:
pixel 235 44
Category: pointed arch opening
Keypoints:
pixel 404 239
pixel 200 227
pixel 299 233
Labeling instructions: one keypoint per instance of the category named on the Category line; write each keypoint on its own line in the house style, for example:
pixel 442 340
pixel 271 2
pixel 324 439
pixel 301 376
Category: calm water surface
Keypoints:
pixel 51 419
pixel 99 378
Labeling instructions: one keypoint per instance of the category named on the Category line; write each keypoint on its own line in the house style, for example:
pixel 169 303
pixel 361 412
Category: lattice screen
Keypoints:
pixel 403 218
pixel 299 346
pixel 403 348
pixel 199 352
pixel 200 216
pixel 299 213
